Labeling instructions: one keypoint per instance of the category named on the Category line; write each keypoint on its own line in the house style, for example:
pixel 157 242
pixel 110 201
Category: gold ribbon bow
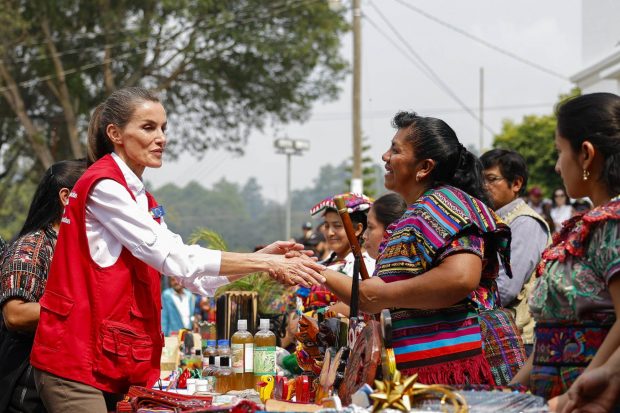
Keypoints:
pixel 400 395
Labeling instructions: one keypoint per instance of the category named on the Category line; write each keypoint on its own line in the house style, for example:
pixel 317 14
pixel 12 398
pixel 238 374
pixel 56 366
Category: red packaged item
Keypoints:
pixel 182 384
pixel 303 389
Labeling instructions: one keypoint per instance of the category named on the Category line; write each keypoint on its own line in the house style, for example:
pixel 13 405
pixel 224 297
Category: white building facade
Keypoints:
pixel 600 47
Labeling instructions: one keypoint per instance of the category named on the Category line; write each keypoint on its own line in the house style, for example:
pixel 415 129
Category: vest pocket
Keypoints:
pixel 124 353
pixel 55 309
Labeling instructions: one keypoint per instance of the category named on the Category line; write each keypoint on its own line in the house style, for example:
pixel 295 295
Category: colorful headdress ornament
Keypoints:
pixel 354 203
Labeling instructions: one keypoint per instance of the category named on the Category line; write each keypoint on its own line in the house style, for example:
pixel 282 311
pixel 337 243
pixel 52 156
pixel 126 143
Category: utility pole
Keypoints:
pixel 357 184
pixel 481 108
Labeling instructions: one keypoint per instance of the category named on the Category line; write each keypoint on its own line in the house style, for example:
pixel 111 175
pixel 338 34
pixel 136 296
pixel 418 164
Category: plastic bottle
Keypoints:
pixel 223 348
pixel 224 375
pixel 210 350
pixel 264 350
pixel 209 371
pixel 242 346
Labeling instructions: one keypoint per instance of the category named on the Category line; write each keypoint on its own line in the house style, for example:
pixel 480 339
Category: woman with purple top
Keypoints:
pixel 438 266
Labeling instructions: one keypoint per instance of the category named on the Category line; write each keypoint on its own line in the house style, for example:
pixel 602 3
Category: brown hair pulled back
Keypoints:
pixel 116 110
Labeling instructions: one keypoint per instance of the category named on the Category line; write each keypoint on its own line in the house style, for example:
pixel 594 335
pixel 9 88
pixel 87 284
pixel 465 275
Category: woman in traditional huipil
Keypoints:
pixel 576 300
pixel 439 264
pixel 341 258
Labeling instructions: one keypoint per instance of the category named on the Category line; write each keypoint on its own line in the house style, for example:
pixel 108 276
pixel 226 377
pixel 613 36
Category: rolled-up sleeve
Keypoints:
pixel 115 209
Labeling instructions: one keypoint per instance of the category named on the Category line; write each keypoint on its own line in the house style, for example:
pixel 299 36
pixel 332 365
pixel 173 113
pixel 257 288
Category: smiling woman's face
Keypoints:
pixel 335 235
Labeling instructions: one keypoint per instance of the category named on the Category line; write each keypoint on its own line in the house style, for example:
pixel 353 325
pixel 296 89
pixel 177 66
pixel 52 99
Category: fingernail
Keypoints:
pixel 323 279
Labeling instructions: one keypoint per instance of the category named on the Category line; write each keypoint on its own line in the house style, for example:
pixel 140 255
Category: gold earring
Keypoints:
pixel 586 174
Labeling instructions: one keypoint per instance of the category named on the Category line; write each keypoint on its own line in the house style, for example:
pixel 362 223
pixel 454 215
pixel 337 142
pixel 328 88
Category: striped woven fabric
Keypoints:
pixel 443 346
pixel 423 338
pixel 25 264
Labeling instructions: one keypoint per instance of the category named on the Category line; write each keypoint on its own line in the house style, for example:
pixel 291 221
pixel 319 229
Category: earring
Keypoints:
pixel 418 178
pixel 586 174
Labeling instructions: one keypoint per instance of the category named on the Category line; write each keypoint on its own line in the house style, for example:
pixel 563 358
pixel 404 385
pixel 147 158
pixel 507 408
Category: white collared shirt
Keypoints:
pixel 114 220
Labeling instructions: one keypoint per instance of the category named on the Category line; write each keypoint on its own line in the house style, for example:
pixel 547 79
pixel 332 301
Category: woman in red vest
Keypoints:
pixel 100 327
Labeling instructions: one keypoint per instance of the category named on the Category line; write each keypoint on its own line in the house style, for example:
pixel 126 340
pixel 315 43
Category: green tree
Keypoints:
pixel 534 138
pixel 223 69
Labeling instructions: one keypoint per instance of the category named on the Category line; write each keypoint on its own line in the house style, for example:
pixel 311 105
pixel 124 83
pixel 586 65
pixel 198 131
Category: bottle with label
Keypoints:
pixel 223 379
pixel 242 345
pixel 264 350
pixel 209 373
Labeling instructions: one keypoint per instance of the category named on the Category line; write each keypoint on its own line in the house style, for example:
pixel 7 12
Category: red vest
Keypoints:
pixel 98 326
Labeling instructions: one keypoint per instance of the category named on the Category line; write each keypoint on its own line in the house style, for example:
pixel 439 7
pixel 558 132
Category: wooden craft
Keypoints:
pixel 328 374
pixel 307 335
pixel 364 361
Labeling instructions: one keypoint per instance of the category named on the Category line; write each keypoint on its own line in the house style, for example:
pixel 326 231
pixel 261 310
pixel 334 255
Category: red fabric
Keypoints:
pixel 473 370
pixel 574 235
pixel 98 326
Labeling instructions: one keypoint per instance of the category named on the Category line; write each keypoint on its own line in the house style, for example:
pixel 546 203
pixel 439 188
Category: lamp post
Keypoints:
pixel 290 147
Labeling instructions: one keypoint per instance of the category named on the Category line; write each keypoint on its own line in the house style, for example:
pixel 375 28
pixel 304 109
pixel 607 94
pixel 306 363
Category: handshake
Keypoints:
pixel 290 263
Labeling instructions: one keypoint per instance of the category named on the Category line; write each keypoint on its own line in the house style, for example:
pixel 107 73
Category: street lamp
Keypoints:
pixel 290 147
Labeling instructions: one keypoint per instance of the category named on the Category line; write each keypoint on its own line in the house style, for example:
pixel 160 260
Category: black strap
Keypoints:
pixel 355 289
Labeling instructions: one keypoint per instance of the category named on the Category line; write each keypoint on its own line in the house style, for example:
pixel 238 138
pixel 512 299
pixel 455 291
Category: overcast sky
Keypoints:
pixel 546 32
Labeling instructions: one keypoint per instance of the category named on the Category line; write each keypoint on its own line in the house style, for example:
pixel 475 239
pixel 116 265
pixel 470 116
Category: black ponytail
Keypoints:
pixel 469 176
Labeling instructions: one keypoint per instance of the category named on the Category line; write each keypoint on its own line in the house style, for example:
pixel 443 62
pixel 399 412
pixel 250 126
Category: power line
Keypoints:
pixel 328 116
pixel 483 42
pixel 428 71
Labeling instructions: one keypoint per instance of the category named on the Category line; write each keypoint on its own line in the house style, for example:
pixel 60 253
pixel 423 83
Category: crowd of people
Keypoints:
pixel 459 251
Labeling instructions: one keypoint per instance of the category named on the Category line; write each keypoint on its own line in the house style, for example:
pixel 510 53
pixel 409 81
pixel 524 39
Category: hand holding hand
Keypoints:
pixel 299 269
